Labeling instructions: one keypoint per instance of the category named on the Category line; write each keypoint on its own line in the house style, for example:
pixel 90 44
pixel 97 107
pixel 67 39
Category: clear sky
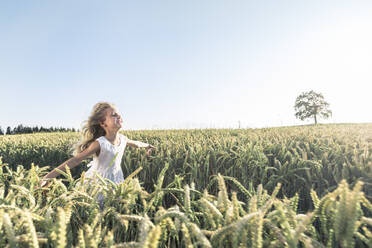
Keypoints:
pixel 183 64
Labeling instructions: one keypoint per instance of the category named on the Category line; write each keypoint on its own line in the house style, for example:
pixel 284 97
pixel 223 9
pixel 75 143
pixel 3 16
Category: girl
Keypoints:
pixel 101 139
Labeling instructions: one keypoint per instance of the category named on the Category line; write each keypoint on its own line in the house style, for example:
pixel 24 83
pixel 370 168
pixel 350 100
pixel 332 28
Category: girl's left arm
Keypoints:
pixel 139 144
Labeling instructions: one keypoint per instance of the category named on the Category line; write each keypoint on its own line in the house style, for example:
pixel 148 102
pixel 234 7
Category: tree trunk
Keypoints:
pixel 315 113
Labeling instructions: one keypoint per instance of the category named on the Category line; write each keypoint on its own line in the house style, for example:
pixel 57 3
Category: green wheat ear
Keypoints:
pixel 223 198
pixel 366 203
pixel 158 194
pixel 61 228
pixel 81 239
pixel 89 237
pixel 145 227
pixel 240 186
pixel 347 214
pixel 9 231
pixel 153 237
pixel 212 210
pixel 186 236
pixel 235 206
pixel 113 159
pixel 315 198
pixel 132 175
pixel 32 237
pixel 256 229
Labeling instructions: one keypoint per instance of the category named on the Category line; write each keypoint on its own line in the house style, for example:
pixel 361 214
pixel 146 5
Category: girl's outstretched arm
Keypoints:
pixel 73 162
pixel 139 144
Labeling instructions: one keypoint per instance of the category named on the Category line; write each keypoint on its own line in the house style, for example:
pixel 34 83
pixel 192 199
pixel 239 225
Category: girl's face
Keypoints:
pixel 113 120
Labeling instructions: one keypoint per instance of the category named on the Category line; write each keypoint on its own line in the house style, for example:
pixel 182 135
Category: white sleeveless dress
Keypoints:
pixel 107 164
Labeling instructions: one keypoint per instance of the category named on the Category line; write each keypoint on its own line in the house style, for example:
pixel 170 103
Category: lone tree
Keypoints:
pixel 310 105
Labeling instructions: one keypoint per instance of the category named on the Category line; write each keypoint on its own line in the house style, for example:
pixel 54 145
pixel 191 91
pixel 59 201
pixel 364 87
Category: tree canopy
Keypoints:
pixel 310 105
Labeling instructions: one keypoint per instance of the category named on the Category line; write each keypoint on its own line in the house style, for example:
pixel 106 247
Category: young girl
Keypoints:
pixel 102 140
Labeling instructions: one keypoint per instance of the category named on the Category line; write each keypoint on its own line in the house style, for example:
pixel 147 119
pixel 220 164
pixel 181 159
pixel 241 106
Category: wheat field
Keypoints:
pixel 307 186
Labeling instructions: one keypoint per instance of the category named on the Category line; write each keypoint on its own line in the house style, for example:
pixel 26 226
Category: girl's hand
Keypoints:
pixel 149 148
pixel 43 183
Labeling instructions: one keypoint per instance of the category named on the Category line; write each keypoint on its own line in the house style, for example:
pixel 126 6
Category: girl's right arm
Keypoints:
pixel 73 162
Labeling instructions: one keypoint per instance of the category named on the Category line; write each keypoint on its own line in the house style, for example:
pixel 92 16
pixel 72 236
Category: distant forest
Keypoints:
pixel 20 129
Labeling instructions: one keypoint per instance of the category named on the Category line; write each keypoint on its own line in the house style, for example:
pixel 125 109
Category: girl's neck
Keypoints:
pixel 111 136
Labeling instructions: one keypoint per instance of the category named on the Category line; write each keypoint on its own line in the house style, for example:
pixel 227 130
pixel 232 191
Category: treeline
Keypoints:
pixel 20 129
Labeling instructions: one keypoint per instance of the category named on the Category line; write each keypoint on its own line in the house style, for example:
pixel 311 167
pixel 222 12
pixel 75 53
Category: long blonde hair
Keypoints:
pixel 92 129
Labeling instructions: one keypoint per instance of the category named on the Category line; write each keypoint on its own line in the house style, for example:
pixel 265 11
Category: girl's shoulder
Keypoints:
pixel 102 138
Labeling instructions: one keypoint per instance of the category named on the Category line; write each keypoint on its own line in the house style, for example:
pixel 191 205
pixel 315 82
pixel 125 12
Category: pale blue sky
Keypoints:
pixel 183 64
